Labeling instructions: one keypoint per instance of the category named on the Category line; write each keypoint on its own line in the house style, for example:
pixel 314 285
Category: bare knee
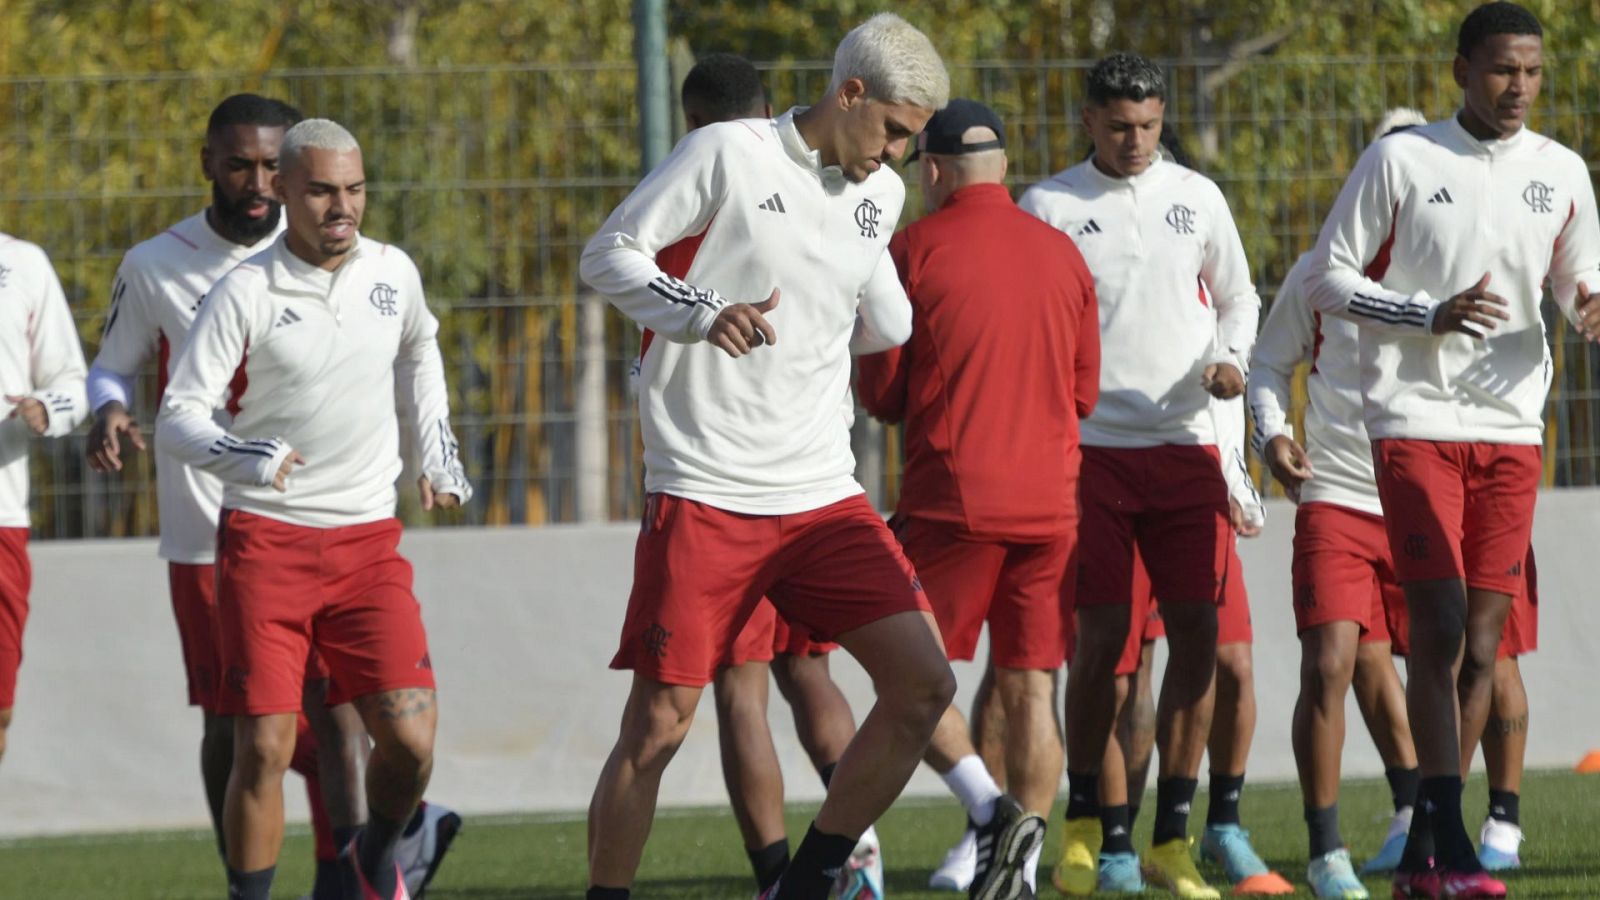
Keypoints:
pixel 263 746
pixel 1235 665
pixel 1021 690
pixel 655 723
pixel 1325 671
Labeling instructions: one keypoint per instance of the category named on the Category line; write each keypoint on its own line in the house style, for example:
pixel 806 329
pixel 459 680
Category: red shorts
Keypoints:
pixel 1343 571
pixel 194 605
pixel 1015 587
pixel 1146 626
pixel 1459 510
pixel 1171 504
pixel 699 573
pixel 16 579
pixel 1520 634
pixel 794 640
pixel 285 589
pixel 767 635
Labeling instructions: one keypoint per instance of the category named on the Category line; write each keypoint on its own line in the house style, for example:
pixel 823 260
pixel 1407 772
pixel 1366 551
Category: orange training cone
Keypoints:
pixel 1590 764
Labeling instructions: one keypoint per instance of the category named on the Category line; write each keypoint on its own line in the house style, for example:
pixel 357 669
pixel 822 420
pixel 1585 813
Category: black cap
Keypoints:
pixel 942 135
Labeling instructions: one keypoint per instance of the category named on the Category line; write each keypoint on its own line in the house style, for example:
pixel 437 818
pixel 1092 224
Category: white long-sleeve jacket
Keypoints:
pixel 747 207
pixel 317 362
pixel 40 357
pixel 154 301
pixel 1424 215
pixel 1334 438
pixel 1163 248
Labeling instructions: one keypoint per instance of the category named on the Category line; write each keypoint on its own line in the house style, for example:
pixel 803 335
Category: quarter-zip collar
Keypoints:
pixel 290 273
pixel 1155 174
pixel 1493 148
pixel 795 146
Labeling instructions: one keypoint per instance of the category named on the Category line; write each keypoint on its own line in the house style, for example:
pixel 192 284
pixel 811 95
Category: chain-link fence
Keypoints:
pixel 493 177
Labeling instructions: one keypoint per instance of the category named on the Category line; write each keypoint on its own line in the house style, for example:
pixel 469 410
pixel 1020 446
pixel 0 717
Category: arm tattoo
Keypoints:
pixel 1514 725
pixel 401 704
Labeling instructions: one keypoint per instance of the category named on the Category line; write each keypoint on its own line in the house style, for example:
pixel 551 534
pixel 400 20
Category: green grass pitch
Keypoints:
pixel 697 854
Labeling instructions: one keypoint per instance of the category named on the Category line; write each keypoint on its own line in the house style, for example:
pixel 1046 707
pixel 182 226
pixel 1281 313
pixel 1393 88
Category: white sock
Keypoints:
pixel 970 781
pixel 1030 869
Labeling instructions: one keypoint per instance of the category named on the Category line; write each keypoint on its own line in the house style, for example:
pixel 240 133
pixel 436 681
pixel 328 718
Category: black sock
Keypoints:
pixel 250 885
pixel 1441 796
pixel 1505 806
pixel 769 862
pixel 815 865
pixel 1223 808
pixel 1418 854
pixel 1133 815
pixel 600 893
pixel 1324 827
pixel 344 834
pixel 1083 795
pixel 1174 796
pixel 1403 786
pixel 827 774
pixel 375 851
pixel 329 883
pixel 1116 829
pixel 417 818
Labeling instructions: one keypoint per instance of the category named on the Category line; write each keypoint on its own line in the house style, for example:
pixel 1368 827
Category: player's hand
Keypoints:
pixel 104 447
pixel 1242 526
pixel 1472 312
pixel 281 482
pixel 1587 307
pixel 1288 462
pixel 430 499
pixel 741 327
pixel 1223 381
pixel 30 411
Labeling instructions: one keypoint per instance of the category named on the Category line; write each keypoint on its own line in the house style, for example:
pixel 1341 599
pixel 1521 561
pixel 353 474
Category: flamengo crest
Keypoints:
pixel 1181 218
pixel 867 215
pixel 382 299
pixel 1538 196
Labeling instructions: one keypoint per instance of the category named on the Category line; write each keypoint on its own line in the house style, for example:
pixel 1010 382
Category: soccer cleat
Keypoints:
pixel 1170 866
pixel 1416 885
pixel 770 893
pixel 1497 845
pixel 363 889
pixel 1004 845
pixel 955 873
pixel 1331 876
pixel 862 875
pixel 1394 845
pixel 1076 872
pixel 420 853
pixel 1470 886
pixel 1119 874
pixel 1229 847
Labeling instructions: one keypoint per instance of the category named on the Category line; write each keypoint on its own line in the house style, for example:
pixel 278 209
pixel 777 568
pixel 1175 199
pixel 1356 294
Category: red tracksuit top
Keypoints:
pixel 1003 361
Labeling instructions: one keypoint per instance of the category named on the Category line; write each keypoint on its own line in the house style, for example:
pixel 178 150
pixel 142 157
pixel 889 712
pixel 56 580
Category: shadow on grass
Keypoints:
pixel 706 888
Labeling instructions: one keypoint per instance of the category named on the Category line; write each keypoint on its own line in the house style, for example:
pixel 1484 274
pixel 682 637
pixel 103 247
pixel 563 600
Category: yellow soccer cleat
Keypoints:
pixel 1171 866
pixel 1077 871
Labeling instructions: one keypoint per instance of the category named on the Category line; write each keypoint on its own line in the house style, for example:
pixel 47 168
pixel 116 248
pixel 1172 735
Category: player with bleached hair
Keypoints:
pixel 744 410
pixel 322 336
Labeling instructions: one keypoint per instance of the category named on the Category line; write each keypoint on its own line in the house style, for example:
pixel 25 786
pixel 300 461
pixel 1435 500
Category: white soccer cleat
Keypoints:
pixel 959 866
pixel 1498 844
pixel 420 853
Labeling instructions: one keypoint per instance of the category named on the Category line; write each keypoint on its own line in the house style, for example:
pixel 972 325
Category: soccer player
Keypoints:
pixel 1177 318
pixel 43 386
pixel 1438 248
pixel 1004 358
pixel 723 87
pixel 154 301
pixel 323 335
pixel 747 448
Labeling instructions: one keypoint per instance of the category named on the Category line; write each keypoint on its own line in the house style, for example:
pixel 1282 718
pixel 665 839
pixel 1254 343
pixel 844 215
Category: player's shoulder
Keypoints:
pixel 1550 151
pixel 1068 184
pixel 1411 148
pixel 247 277
pixel 16 253
pixel 736 136
pixel 167 249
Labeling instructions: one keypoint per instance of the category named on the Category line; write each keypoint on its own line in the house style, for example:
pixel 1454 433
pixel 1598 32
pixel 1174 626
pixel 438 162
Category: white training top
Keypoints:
pixel 768 433
pixel 1228 419
pixel 318 362
pixel 1424 215
pixel 1163 248
pixel 40 358
pixel 1334 438
pixel 153 304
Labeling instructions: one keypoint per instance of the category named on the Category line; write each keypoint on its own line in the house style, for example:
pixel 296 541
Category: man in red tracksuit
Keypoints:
pixel 1004 358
